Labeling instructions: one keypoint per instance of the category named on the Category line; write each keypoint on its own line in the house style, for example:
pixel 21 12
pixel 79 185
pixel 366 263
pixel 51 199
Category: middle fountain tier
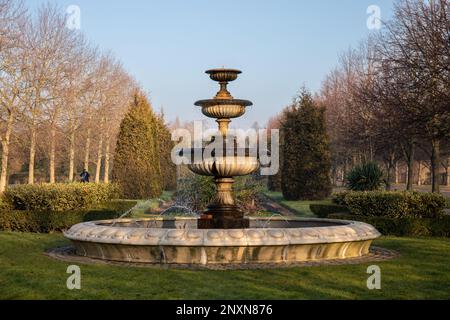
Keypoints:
pixel 232 161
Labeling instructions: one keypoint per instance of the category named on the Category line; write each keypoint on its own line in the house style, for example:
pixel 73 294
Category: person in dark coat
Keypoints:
pixel 85 176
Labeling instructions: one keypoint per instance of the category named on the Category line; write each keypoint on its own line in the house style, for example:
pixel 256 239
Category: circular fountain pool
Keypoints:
pixel 163 240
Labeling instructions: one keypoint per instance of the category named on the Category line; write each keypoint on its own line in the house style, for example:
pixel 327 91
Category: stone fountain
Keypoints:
pixel 223 213
pixel 222 235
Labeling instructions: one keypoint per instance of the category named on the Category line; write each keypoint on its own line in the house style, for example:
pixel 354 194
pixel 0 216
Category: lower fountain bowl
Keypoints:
pixel 164 240
pixel 226 166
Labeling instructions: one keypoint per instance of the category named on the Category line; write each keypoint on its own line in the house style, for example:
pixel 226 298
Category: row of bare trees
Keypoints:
pixel 389 99
pixel 61 99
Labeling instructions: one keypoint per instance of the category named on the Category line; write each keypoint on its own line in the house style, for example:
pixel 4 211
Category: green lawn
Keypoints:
pixel 300 208
pixel 422 272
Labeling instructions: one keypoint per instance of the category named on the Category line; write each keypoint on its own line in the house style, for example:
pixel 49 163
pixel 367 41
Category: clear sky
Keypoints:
pixel 280 45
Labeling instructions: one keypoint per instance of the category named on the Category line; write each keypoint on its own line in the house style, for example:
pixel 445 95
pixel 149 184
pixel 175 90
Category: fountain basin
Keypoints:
pixel 223 108
pixel 223 75
pixel 224 111
pixel 225 166
pixel 178 241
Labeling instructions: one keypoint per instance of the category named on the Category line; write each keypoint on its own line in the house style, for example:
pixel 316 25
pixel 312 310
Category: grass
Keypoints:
pixel 300 208
pixel 421 272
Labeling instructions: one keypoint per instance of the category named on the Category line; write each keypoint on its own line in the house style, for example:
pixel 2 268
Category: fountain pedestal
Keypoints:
pixel 222 211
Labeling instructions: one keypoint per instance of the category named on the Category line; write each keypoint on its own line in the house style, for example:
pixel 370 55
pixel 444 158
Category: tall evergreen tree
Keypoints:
pixel 168 168
pixel 305 151
pixel 136 162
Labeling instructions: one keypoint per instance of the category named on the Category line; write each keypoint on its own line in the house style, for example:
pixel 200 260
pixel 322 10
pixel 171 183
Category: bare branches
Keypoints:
pixel 55 88
pixel 394 90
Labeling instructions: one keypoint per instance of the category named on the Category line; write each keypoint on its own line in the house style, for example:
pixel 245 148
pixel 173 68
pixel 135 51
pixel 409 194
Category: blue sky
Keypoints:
pixel 279 45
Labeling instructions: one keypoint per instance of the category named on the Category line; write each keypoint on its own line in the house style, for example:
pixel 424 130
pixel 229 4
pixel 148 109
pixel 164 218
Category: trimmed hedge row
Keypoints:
pixel 405 226
pixel 323 210
pixel 51 221
pixel 58 196
pixel 392 204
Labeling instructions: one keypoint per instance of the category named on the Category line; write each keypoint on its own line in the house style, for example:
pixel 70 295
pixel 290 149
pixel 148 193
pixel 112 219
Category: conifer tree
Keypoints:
pixel 167 167
pixel 136 162
pixel 305 151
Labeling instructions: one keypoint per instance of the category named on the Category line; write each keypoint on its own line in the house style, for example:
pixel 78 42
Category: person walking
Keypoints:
pixel 85 176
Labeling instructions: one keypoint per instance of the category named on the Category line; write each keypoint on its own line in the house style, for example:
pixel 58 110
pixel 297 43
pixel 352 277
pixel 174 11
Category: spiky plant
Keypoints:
pixel 365 177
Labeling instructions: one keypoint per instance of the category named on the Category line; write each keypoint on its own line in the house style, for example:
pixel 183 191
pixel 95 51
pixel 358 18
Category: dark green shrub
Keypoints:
pixel 51 221
pixel 196 192
pixel 403 227
pixel 339 198
pixel 167 167
pixel 305 152
pixel 4 205
pixel 395 204
pixel 59 196
pixel 365 177
pixel 323 210
pixel 274 182
pixel 246 190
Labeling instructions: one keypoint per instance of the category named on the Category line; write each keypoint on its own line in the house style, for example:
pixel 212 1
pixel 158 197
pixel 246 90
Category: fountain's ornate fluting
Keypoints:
pixel 222 212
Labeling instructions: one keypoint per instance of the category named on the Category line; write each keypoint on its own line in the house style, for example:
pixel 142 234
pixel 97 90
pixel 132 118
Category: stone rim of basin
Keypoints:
pixel 103 232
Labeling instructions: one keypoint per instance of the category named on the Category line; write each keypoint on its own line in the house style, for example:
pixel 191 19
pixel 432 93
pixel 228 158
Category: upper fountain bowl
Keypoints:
pixel 223 75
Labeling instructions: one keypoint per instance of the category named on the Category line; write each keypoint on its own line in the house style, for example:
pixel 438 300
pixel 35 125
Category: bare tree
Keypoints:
pixel 69 71
pixel 45 38
pixel 417 44
pixel 394 90
pixel 12 19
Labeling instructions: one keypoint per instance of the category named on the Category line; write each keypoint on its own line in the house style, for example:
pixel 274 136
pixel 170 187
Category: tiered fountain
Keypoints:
pixel 222 235
pixel 222 213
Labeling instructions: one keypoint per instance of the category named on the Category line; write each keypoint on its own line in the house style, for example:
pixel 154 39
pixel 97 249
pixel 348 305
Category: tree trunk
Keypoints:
pixel 435 166
pixel 32 153
pixel 388 178
pixel 396 173
pixel 448 171
pixel 52 153
pixel 411 156
pixel 99 159
pixel 72 155
pixel 87 150
pixel 419 182
pixel 107 157
pixel 390 165
pixel 5 153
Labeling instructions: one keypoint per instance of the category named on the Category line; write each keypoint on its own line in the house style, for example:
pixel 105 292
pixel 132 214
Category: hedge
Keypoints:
pixel 51 221
pixel 339 197
pixel 323 210
pixel 403 227
pixel 392 204
pixel 59 196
